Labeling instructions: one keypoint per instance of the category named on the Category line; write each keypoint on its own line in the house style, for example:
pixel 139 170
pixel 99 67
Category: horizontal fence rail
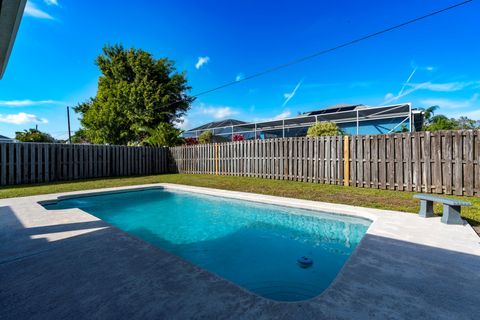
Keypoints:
pixel 445 162
pixel 24 163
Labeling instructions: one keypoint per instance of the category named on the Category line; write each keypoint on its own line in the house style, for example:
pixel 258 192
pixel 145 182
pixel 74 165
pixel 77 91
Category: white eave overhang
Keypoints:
pixel 11 12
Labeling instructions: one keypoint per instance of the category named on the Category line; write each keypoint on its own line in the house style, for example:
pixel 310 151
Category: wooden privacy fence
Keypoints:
pixel 433 162
pixel 44 162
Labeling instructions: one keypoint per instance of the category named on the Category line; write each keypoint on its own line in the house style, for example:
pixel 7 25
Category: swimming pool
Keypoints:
pixel 254 245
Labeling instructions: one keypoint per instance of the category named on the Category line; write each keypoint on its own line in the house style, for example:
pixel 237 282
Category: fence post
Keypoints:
pixel 346 161
pixel 216 159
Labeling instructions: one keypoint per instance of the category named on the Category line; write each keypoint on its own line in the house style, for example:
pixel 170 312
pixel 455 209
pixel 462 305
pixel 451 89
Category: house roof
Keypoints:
pixel 217 124
pixel 335 108
pixel 10 15
pixel 5 138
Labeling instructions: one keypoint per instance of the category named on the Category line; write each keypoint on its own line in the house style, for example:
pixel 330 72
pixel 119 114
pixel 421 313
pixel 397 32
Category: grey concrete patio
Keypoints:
pixel 68 264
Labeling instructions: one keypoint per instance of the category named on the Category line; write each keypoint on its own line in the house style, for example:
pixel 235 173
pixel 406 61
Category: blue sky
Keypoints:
pixel 435 61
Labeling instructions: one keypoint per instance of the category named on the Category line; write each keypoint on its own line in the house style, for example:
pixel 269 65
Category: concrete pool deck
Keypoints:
pixel 69 264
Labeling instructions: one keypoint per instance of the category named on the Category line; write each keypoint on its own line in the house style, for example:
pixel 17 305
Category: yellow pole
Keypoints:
pixel 216 159
pixel 346 161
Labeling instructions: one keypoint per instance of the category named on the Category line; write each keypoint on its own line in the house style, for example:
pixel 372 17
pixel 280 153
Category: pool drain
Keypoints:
pixel 304 262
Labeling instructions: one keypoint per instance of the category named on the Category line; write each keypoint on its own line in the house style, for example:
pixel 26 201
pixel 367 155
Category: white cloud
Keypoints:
pixel 389 96
pixel 444 87
pixel 451 104
pixel 239 77
pixel 428 85
pixel 422 68
pixel 435 87
pixel 283 115
pixel 289 95
pixel 21 118
pixel 32 11
pixel 51 2
pixel 217 112
pixel 475 115
pixel 201 61
pixel 26 102
pixel 184 124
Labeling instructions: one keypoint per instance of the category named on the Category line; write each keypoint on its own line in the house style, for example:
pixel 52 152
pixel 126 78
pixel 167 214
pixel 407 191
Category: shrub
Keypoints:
pixel 441 122
pixel 324 128
pixel 205 137
pixel 190 141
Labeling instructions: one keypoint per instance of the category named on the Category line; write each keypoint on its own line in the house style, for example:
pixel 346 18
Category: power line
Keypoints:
pixel 343 45
pixel 322 52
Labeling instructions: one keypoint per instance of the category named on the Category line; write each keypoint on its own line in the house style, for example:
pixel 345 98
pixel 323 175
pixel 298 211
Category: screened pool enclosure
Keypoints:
pixel 352 119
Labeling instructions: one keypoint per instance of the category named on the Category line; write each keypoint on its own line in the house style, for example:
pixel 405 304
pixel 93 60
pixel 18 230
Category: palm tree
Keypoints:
pixel 466 123
pixel 428 114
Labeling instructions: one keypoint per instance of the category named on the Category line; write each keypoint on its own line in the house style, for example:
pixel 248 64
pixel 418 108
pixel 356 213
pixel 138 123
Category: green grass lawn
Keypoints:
pixel 372 198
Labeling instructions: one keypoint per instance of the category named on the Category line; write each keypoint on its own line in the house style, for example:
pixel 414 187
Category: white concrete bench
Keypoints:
pixel 451 208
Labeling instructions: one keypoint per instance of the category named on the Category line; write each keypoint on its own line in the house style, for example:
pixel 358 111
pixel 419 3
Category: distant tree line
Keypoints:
pixel 33 135
pixel 432 122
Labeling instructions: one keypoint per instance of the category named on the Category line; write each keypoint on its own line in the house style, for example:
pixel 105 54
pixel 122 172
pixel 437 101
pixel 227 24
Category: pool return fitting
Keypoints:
pixel 304 262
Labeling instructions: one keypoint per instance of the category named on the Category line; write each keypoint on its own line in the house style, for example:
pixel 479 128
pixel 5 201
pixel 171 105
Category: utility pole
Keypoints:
pixel 68 120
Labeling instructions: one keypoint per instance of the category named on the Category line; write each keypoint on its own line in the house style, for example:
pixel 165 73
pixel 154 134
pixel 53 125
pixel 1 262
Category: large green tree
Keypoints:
pixel 135 91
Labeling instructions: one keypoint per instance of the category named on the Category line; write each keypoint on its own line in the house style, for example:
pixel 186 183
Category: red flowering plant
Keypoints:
pixel 191 141
pixel 238 137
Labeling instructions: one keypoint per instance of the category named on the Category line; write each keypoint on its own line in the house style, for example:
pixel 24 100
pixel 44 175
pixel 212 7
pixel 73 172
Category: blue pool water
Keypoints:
pixel 253 245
